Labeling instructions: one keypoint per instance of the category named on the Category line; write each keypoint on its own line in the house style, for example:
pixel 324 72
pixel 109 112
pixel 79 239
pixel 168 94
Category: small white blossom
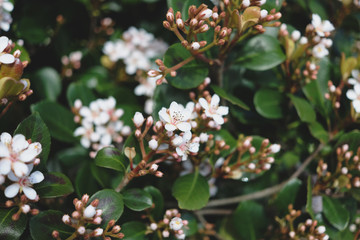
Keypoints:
pixel 275 148
pixel 319 51
pixel 5 58
pixel 321 27
pixel 81 230
pixel 185 146
pixel 263 13
pixel 176 117
pixel 153 144
pixel 195 46
pixel 354 96
pixel 295 35
pixel 138 119
pixel 246 3
pixel 204 137
pixel 303 40
pixel 176 224
pixel 89 211
pixel 98 232
pixel 213 110
pixel 153 226
pixel 355 79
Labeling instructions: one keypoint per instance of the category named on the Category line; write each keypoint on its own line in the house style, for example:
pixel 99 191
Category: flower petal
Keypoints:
pixel 12 177
pixel 4 151
pixel 357 89
pixel 20 169
pixel 5 166
pixel 183 126
pixel 12 190
pixel 7 58
pixel 85 142
pixel 5 138
pixel 170 127
pixel 36 177
pixel 204 103
pixel 164 116
pixel 29 193
pixel 222 110
pixel 4 41
pixel 19 143
pixel 351 94
pixel 215 100
pixel 218 119
pixel 28 155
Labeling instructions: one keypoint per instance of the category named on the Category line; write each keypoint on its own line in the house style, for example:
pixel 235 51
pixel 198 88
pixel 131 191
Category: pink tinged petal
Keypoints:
pixel 194 147
pixel 5 138
pixel 29 193
pixel 351 94
pixel 104 117
pixel 215 100
pixel 170 127
pixel 177 141
pixel 7 58
pixel 222 110
pixel 36 177
pixel 85 112
pixel 20 169
pixel 164 116
pixel 85 142
pixel 4 151
pixel 28 155
pixel 106 140
pixel 357 89
pixel 184 126
pixel 36 146
pixel 179 152
pixel 204 103
pixel 12 190
pixel 19 143
pixel 4 41
pixel 12 177
pixel 187 136
pixel 316 20
pixel 5 166
pixel 218 119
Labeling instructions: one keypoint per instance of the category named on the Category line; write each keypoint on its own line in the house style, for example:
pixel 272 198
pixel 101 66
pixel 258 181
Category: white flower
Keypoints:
pixel 354 96
pixel 98 232
pixel 153 144
pixel 149 106
pixel 176 224
pixel 213 109
pixel 176 117
pixel 303 40
pixel 295 35
pixel 5 58
pixel 320 51
pixel 16 153
pixel 355 77
pixel 87 133
pixel 153 226
pixel 5 20
pixel 185 146
pixel 24 184
pixel 275 148
pixel 146 87
pixel 321 27
pixel 117 50
pixel 136 60
pixel 206 13
pixel 195 46
pixel 246 3
pixel 204 137
pixel 89 211
pixel 263 13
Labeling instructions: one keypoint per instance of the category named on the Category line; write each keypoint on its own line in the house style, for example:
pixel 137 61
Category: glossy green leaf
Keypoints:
pixel 352 139
pixel 231 98
pixel 112 158
pixel 191 191
pixel 137 199
pixel 271 4
pixel 101 175
pixel 268 103
pixel 249 220
pixel 287 196
pixel 34 128
pixel 58 119
pixel 55 184
pixel 303 109
pixel 10 87
pixel 9 229
pixel 335 213
pixel 43 224
pixel 134 231
pixel 79 91
pixel 111 203
pixel 318 131
pixel 261 53
pixel 85 183
pixel 72 156
pixel 158 202
pixel 47 83
pixel 188 76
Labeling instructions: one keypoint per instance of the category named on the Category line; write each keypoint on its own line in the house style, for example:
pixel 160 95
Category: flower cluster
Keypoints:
pixel 73 61
pixel 171 224
pixel 100 124
pixel 303 230
pixel 136 49
pixel 343 177
pixel 86 214
pixel 6 8
pixel 354 96
pixel 146 88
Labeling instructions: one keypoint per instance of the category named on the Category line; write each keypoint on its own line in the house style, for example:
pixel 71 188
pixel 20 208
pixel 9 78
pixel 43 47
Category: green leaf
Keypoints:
pixel 134 231
pixel 191 191
pixel 10 87
pixel 287 196
pixel 304 109
pixel 352 139
pixel 58 119
pixel 249 220
pixel 261 53
pixel 268 103
pixel 112 158
pixel 102 175
pixel 55 184
pixel 9 229
pixel 318 131
pixel 271 4
pixel 85 182
pixel 111 203
pixel 231 98
pixel 308 207
pixel 79 91
pixel 335 213
pixel 177 5
pixel 72 156
pixel 192 226
pixel 34 128
pixel 158 202
pixel 188 76
pixel 43 224
pixel 47 83
pixel 137 199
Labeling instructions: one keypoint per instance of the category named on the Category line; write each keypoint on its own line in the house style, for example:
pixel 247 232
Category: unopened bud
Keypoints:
pixel 195 46
pixel 138 119
pixel 25 208
pixel 81 230
pixel 116 229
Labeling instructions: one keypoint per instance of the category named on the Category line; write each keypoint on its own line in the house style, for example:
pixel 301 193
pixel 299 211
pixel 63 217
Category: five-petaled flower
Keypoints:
pixel 354 95
pixel 184 146
pixel 213 110
pixel 321 27
pixel 176 117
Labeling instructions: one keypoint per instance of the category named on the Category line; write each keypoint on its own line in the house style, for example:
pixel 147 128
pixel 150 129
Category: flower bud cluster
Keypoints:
pixel 344 176
pixel 248 159
pixel 73 61
pixel 303 230
pixel 11 70
pixel 136 49
pixel 86 214
pixel 6 7
pixel 17 159
pixel 100 124
pixel 171 225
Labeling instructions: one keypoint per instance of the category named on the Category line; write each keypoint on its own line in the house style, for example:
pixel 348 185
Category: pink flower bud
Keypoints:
pixel 66 219
pixel 138 119
pixel 85 198
pixel 165 234
pixel 25 208
pixel 81 230
pixel 97 220
pixel 98 232
pixel 180 23
pixel 195 46
pixel 153 226
pixel 89 211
